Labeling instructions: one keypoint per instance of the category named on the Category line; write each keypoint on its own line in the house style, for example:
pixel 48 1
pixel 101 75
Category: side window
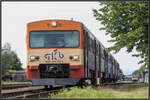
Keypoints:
pixel 97 47
pixel 112 59
pixel 105 53
pixel 84 32
pixel 109 58
pixel 100 49
pixel 88 40
pixel 86 43
pixel 90 44
pixel 102 52
pixel 93 46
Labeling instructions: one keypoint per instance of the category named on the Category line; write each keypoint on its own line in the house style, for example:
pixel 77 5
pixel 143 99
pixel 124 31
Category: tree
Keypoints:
pixel 139 71
pixel 10 60
pixel 7 47
pixel 127 24
pixel 135 72
pixel 5 62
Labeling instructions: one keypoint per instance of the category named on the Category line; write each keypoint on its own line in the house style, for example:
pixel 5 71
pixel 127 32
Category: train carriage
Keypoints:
pixel 65 52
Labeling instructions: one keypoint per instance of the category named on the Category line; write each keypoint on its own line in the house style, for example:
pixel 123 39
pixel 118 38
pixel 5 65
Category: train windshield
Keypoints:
pixel 54 39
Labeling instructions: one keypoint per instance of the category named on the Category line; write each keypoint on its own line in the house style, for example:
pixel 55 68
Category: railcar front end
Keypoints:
pixel 55 52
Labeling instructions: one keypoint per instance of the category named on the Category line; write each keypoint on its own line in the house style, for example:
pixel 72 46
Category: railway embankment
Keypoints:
pixel 119 90
pixel 136 90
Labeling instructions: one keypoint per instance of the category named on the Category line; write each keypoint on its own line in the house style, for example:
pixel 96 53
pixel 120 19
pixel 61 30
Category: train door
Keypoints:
pixel 97 61
pixel 109 66
pixel 102 63
pixel 100 57
pixel 91 57
pixel 106 64
pixel 86 43
pixel 111 69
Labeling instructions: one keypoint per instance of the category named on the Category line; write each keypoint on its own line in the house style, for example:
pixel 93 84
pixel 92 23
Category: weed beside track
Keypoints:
pixel 110 91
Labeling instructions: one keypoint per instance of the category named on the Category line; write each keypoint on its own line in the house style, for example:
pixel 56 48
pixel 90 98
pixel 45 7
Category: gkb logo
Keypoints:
pixel 54 56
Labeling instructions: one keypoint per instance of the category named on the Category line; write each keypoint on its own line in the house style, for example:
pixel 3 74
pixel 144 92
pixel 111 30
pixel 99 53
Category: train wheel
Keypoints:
pixel 81 83
pixel 46 86
pixel 50 86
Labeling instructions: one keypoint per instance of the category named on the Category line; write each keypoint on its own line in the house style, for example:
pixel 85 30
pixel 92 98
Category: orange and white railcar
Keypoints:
pixel 65 52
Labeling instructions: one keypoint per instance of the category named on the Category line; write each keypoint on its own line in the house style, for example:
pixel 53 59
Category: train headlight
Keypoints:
pixel 54 24
pixel 75 57
pixel 32 58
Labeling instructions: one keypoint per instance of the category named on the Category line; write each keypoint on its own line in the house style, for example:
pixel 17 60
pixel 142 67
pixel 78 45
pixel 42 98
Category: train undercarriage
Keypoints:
pixel 58 74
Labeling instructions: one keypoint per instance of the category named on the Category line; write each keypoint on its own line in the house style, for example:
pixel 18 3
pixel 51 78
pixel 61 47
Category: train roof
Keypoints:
pixel 40 21
pixel 93 35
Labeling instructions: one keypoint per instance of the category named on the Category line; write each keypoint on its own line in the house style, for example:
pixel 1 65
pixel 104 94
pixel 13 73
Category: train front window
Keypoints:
pixel 54 39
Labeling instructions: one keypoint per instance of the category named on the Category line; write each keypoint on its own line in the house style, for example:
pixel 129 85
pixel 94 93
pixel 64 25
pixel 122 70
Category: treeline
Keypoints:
pixel 10 60
pixel 139 71
pixel 127 24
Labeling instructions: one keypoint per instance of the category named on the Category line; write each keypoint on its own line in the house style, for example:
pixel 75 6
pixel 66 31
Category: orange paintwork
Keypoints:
pixel 33 72
pixel 61 25
pixel 77 71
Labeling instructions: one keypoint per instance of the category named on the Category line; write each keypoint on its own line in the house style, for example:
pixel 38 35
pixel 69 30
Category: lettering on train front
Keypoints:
pixel 54 56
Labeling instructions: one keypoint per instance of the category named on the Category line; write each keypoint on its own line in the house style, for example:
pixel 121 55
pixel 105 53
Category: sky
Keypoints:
pixel 16 15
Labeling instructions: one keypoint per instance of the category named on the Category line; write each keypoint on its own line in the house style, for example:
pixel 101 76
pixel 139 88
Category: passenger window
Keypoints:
pixel 105 54
pixel 90 44
pixel 109 59
pixel 93 46
pixel 102 52
pixel 97 48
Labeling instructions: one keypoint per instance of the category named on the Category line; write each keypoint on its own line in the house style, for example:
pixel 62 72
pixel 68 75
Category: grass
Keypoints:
pixel 13 82
pixel 130 91
pixel 124 91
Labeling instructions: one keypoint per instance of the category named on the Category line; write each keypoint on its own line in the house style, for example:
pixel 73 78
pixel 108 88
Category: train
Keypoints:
pixel 134 78
pixel 65 52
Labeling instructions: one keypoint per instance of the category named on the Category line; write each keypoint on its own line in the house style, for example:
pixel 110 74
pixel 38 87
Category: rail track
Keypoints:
pixel 39 91
pixel 119 83
pixel 15 86
pixel 29 92
pixel 41 94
